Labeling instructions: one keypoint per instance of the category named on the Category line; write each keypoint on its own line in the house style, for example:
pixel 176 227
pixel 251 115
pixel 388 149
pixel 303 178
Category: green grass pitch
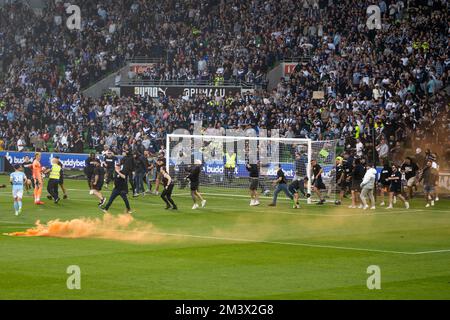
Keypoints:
pixel 230 251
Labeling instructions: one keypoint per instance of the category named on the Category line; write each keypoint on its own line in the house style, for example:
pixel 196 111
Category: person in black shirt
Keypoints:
pixel 194 178
pixel 340 179
pixel 168 185
pixel 357 177
pixel 410 170
pixel 98 178
pixel 139 175
pixel 89 169
pixel 317 181
pixel 296 186
pixel 301 160
pixel 395 188
pixel 429 177
pixel 110 161
pixel 253 172
pixel 27 165
pixel 281 186
pixel 120 189
pixel 383 182
pixel 128 168
pixel 160 161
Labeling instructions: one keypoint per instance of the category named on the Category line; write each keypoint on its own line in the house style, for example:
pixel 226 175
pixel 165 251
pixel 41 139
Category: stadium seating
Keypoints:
pixel 376 85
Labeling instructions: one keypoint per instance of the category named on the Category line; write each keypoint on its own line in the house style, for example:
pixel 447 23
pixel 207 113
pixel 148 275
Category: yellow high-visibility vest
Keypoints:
pixel 358 132
pixel 56 172
pixel 231 161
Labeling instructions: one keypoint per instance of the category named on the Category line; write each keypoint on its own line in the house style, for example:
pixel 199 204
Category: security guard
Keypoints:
pixel 54 179
pixel 230 165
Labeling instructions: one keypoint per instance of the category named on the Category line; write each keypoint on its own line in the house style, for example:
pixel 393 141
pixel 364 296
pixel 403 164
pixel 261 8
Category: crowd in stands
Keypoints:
pixel 384 90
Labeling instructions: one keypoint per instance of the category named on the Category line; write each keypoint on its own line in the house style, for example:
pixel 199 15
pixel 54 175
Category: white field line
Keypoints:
pixel 283 243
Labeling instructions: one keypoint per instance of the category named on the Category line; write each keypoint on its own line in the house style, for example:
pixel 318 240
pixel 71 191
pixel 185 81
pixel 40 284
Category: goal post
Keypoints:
pixel 218 154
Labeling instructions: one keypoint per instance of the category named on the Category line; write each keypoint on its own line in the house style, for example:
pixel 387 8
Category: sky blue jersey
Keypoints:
pixel 17 180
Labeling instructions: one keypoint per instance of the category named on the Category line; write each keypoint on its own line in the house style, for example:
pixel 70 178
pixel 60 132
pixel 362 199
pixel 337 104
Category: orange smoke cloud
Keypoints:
pixel 107 227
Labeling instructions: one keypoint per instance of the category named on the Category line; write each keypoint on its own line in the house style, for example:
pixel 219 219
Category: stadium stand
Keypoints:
pixel 380 87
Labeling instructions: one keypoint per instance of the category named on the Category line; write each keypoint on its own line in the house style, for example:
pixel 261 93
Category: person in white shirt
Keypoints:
pixel 359 148
pixel 367 187
pixel 20 144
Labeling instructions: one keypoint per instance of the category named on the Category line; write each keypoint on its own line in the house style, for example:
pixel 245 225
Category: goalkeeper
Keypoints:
pixel 297 186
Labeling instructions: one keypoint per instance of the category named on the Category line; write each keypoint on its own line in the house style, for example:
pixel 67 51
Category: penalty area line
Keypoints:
pixel 298 244
pixel 181 235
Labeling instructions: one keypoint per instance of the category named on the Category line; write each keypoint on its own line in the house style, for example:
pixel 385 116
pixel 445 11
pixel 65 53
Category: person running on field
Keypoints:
pixel 428 177
pixel 168 185
pixel 194 178
pixel 395 188
pixel 120 189
pixel 281 185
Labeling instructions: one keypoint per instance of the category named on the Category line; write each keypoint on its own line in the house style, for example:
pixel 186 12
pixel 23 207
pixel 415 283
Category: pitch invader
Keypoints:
pixel 194 178
pixel 340 179
pixel 296 187
pixel 317 181
pixel 281 185
pixel 253 172
pixel 395 188
pixel 98 178
pixel 168 185
pixel 120 189
pixel 27 169
pixel 18 179
pixel 89 166
pixel 110 161
pixel 429 177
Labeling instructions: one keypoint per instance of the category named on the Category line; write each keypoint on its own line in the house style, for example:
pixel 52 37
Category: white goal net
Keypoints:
pixel 224 161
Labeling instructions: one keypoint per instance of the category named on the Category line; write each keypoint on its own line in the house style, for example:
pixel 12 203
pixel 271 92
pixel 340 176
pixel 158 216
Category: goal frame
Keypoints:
pixel 307 142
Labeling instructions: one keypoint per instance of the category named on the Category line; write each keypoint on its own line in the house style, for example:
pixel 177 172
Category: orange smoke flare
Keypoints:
pixel 108 227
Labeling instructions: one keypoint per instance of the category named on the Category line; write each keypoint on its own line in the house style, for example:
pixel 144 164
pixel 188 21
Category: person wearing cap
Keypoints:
pixel 194 178
pixel 18 179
